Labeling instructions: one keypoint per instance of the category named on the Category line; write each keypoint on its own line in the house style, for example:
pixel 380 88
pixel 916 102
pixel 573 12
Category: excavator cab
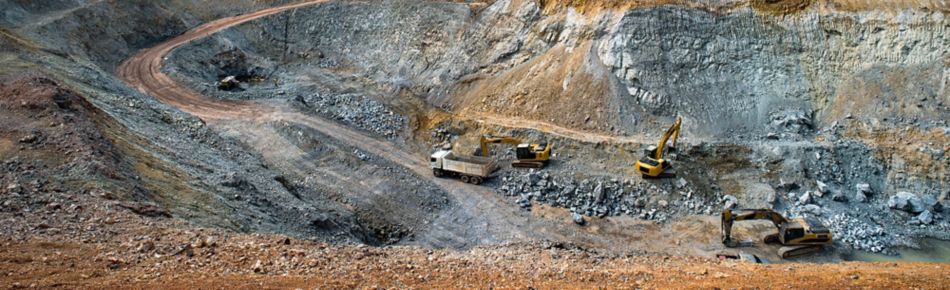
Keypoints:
pixel 528 155
pixel 533 151
pixel 655 168
pixel 651 150
pixel 653 165
pixel 803 231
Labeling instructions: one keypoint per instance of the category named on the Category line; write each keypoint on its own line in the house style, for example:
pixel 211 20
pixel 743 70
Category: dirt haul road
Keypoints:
pixel 480 215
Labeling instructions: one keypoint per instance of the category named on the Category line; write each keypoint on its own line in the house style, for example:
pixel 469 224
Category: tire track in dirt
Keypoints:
pixel 548 128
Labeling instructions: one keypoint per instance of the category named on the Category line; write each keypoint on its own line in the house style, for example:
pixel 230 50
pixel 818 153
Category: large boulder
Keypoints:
pixel 925 203
pixel 863 191
pixel 911 203
pixel 925 217
pixel 822 189
pixel 806 198
pixel 902 201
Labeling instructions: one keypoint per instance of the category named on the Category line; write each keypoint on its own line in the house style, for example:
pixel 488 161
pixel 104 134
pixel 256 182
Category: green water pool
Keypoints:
pixel 934 251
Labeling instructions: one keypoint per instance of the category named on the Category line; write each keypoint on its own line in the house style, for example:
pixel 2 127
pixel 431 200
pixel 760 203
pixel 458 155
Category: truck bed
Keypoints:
pixel 471 165
pixel 470 159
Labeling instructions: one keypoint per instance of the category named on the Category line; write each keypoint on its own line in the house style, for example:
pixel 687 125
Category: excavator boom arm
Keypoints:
pixel 729 216
pixel 674 133
pixel 485 140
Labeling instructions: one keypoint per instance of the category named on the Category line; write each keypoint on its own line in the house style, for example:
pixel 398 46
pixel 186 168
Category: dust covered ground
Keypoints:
pixel 113 248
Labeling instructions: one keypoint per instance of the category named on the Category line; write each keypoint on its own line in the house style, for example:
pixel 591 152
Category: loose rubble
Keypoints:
pixel 925 217
pixel 604 196
pixel 791 121
pixel 356 110
pixel 859 234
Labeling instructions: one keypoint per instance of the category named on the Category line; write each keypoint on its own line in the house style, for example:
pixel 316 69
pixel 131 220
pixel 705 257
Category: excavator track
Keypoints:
pixel 527 164
pixel 669 172
pixel 787 252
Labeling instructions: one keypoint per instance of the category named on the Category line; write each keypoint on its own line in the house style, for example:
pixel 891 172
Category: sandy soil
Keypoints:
pixel 255 262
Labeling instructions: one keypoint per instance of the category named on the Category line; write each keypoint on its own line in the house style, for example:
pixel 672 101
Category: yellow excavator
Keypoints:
pixel 528 155
pixel 652 165
pixel 800 236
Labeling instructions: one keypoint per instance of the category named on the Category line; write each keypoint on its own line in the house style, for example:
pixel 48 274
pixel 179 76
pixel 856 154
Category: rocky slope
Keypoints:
pixel 177 163
pixel 784 101
pixel 826 108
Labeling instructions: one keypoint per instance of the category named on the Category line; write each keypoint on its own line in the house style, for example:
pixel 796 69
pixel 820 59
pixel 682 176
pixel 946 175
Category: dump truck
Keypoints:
pixel 470 169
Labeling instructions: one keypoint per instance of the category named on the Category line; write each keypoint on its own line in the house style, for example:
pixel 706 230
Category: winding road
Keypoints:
pixel 480 216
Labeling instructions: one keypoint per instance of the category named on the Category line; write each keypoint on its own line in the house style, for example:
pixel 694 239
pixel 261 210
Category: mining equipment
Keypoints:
pixel 798 236
pixel 653 165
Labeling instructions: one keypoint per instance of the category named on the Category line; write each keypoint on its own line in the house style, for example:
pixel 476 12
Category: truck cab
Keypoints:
pixel 435 161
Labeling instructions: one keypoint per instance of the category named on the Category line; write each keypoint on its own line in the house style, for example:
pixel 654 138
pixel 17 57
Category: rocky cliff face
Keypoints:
pixel 734 72
pixel 729 71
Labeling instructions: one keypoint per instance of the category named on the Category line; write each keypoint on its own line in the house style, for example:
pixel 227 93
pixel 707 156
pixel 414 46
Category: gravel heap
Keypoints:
pixel 357 110
pixel 601 196
pixel 875 226
pixel 859 234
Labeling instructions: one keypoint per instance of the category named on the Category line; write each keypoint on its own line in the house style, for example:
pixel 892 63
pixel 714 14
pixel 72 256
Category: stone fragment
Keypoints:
pixel 901 201
pixel 860 197
pixel 199 243
pixel 681 183
pixel 926 202
pixel 14 188
pixel 863 188
pixel 822 189
pixel 145 247
pixel 258 267
pixel 29 139
pixel 811 208
pixel 578 218
pixel 101 194
pixel 926 217
pixel 599 192
pixel 730 201
pixel 805 198
pixel 839 197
